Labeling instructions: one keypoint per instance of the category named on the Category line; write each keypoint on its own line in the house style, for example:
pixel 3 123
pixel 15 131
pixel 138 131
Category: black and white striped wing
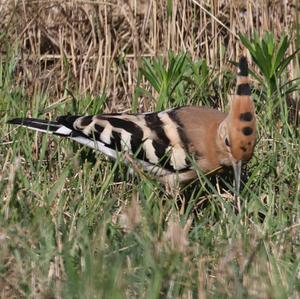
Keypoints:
pixel 156 140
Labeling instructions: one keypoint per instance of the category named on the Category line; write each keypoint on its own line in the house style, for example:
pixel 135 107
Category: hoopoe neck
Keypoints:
pixel 222 142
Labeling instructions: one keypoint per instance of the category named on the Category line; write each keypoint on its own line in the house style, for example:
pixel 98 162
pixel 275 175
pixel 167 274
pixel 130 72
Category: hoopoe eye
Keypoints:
pixel 227 142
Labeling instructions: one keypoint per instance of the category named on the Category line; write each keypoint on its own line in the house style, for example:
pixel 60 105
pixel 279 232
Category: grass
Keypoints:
pixel 75 225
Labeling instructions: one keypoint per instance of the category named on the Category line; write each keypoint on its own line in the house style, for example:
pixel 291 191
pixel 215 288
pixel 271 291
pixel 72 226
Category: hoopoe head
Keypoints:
pixel 237 133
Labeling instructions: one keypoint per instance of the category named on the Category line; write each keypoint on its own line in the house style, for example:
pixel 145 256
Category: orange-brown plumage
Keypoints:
pixel 242 128
pixel 201 127
pixel 241 120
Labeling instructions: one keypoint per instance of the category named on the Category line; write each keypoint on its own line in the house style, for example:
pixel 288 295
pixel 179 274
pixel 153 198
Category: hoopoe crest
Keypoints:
pixel 169 144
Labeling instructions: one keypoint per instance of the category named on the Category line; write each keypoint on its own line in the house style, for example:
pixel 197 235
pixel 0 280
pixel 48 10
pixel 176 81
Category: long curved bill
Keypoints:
pixel 237 166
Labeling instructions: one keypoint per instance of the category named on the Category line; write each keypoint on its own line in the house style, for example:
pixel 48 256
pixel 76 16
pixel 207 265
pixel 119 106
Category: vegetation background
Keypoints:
pixel 74 225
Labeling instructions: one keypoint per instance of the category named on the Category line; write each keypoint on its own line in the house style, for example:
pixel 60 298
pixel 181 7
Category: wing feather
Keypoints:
pixel 154 139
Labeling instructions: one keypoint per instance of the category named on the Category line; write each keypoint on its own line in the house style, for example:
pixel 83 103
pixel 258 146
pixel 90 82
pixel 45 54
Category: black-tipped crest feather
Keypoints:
pixel 243 67
pixel 243 90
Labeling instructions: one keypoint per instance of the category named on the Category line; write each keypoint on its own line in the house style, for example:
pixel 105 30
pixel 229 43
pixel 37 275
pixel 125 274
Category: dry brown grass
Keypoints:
pixel 95 46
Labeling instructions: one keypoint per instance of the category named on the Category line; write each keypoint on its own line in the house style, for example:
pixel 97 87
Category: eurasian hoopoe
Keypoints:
pixel 172 143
